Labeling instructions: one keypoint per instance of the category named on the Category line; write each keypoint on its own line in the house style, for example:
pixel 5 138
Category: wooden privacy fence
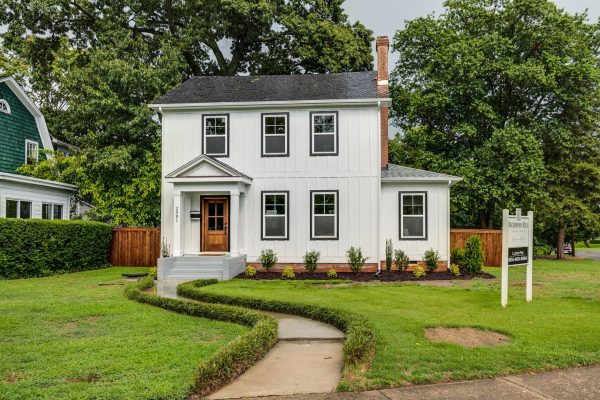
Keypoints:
pixel 138 247
pixel 491 239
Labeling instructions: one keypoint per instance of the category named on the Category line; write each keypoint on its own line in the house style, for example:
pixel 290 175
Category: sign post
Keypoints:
pixel 517 249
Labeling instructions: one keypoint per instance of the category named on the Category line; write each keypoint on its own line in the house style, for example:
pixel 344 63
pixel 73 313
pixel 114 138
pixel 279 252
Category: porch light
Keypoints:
pixel 195 214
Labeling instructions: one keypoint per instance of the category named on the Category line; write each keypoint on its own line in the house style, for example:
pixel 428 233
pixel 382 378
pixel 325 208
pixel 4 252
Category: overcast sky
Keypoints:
pixel 384 17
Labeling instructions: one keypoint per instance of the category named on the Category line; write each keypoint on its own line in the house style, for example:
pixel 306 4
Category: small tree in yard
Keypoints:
pixel 473 259
pixel 311 260
pixel 431 259
pixel 401 260
pixel 389 254
pixel 356 261
pixel 267 258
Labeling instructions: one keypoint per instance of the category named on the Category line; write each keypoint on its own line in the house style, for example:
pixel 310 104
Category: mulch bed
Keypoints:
pixel 394 276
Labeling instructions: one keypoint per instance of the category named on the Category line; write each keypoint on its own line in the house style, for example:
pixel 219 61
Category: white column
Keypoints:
pixel 529 278
pixel 504 285
pixel 234 224
pixel 177 210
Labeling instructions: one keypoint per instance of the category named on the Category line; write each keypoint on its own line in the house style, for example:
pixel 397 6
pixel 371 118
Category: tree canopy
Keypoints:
pixel 505 93
pixel 94 65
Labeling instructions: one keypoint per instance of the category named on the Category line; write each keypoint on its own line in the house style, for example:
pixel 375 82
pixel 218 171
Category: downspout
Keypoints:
pixel 448 232
pixel 379 188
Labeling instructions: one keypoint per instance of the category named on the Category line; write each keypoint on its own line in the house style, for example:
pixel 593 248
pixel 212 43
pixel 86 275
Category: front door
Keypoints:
pixel 215 220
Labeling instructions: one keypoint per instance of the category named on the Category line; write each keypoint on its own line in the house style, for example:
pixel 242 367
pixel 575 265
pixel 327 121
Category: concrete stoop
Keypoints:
pixel 187 268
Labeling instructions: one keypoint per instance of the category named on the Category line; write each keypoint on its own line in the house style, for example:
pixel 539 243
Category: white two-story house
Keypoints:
pixel 291 163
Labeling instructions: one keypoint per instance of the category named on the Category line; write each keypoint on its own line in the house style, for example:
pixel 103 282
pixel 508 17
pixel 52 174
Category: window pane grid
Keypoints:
pixel 412 220
pixel 324 215
pixel 275 216
pixel 275 135
pixel 324 133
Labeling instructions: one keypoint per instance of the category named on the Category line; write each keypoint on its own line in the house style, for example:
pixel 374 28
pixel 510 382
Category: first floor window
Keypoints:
pixel 275 214
pixel 324 214
pixel 216 135
pixel 413 215
pixel 275 135
pixel 18 209
pixel 31 152
pixel 52 211
pixel 323 134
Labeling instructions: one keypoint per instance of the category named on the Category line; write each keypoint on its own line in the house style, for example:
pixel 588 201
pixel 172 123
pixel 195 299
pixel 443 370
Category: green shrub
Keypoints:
pixel 454 270
pixel 153 273
pixel 389 254
pixel 359 346
pixel 401 260
pixel 457 256
pixel 288 273
pixel 419 272
pixel 38 247
pixel 356 261
pixel 311 260
pixel 542 250
pixel 239 354
pixel 431 259
pixel 250 271
pixel 473 255
pixel 268 258
pixel 331 273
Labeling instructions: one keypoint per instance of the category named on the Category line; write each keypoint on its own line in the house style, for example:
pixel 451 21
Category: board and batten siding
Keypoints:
pixel 355 172
pixel 437 219
pixel 36 195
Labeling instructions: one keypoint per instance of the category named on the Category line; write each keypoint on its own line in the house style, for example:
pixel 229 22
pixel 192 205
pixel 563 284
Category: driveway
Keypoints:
pixel 591 254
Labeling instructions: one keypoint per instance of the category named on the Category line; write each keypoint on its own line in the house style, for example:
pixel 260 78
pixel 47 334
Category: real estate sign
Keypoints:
pixel 517 249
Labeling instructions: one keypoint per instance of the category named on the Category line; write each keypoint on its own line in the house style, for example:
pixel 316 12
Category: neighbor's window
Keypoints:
pixel 275 214
pixel 52 211
pixel 323 136
pixel 275 135
pixel 324 215
pixel 4 107
pixel 31 152
pixel 413 215
pixel 18 209
pixel 216 135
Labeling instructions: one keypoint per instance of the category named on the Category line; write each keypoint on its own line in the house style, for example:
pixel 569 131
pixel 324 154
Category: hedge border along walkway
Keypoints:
pixel 230 361
pixel 359 346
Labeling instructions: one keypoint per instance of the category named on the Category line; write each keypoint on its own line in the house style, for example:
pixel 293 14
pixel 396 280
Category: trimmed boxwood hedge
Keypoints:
pixel 359 346
pixel 230 361
pixel 36 247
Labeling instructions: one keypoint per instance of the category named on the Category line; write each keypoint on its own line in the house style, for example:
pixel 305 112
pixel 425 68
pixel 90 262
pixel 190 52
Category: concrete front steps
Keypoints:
pixel 186 268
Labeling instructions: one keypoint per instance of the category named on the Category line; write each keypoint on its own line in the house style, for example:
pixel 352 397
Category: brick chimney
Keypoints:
pixel 382 46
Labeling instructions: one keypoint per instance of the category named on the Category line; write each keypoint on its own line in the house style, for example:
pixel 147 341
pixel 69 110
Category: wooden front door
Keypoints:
pixel 215 223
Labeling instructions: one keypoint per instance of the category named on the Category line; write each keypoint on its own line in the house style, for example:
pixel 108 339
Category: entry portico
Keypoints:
pixel 208 196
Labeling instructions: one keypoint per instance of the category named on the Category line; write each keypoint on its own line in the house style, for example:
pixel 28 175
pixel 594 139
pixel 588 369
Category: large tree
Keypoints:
pixel 505 93
pixel 94 65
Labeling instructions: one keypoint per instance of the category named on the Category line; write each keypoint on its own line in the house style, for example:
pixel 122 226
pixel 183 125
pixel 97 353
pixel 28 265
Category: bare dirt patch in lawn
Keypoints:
pixel 91 378
pixel 467 337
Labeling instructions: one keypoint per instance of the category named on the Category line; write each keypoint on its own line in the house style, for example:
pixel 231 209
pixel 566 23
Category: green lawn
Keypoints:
pixel 582 246
pixel 67 337
pixel 560 328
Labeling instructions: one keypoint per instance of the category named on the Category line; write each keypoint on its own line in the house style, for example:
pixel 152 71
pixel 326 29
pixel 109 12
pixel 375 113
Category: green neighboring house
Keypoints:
pixel 23 137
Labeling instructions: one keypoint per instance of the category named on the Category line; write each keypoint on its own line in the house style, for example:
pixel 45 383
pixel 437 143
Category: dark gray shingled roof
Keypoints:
pixel 398 171
pixel 225 89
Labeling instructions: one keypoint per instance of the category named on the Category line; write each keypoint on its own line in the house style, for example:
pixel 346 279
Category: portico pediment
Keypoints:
pixel 205 168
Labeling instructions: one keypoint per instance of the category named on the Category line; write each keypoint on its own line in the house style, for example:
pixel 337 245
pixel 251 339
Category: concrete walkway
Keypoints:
pixel 570 384
pixel 306 359
pixel 591 254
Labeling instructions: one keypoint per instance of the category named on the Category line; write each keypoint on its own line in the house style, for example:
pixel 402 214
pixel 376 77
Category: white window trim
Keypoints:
pixel 335 194
pixel 19 207
pixel 334 133
pixel 5 107
pixel 52 214
pixel 423 216
pixel 226 135
pixel 285 135
pixel 264 215
pixel 36 152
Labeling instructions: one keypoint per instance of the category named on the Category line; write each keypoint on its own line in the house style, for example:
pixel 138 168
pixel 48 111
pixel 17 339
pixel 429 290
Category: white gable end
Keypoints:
pixel 204 169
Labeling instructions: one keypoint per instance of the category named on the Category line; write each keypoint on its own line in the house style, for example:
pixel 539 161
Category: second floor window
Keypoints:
pixel 31 152
pixel 275 135
pixel 4 107
pixel 216 135
pixel 323 134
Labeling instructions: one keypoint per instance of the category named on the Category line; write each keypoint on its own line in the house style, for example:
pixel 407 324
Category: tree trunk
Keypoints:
pixel 560 246
pixel 573 245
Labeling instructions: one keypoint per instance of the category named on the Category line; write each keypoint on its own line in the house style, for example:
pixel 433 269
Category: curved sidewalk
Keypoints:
pixel 569 384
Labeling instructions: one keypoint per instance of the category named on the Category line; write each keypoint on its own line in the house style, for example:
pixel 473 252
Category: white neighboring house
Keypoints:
pixel 23 134
pixel 291 163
